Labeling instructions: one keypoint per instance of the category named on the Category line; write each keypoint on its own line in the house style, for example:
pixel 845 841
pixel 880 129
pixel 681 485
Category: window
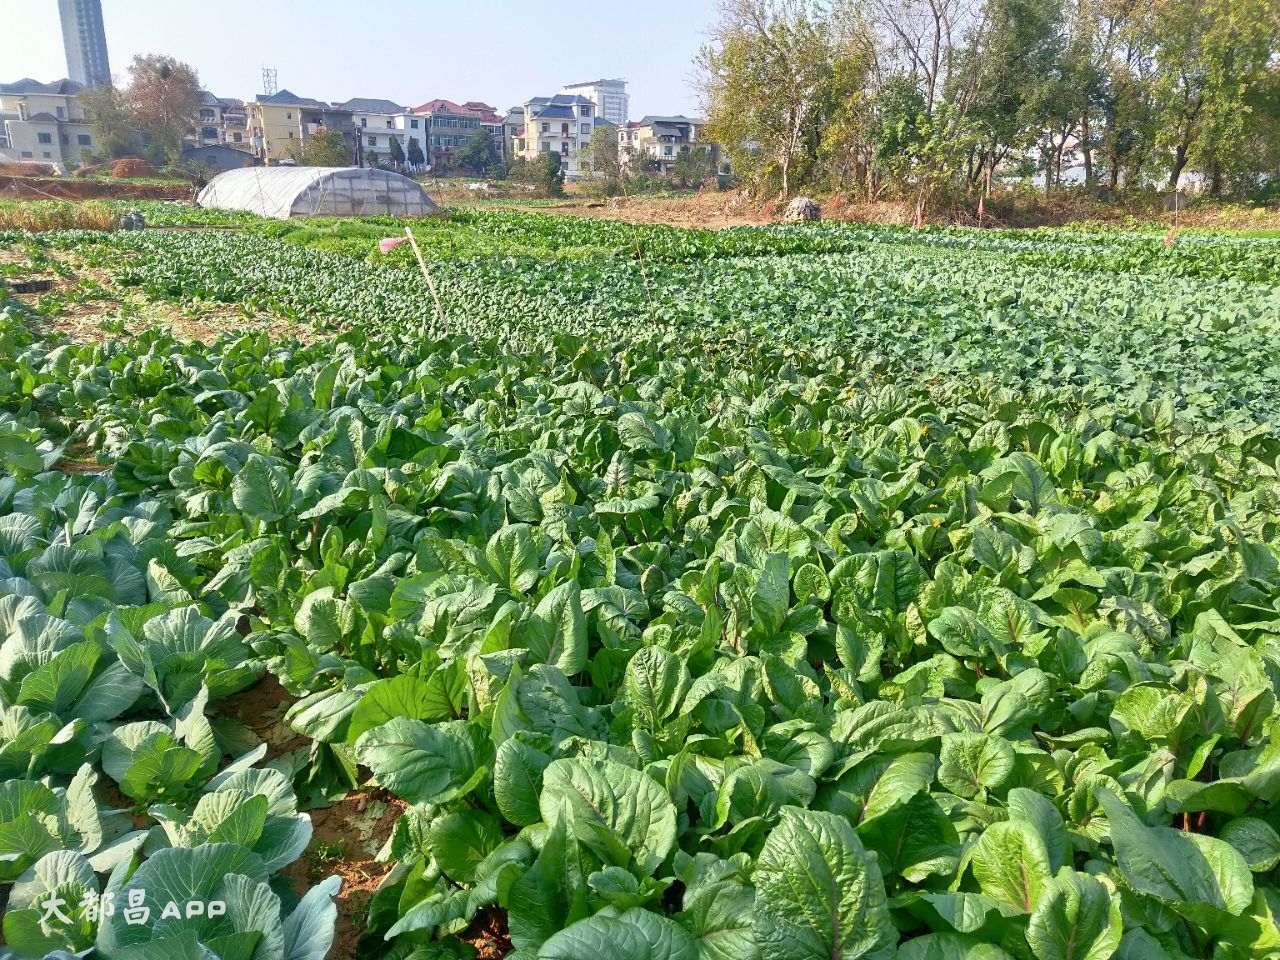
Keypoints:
pixel 236 137
pixel 290 134
pixel 584 111
pixel 546 146
pixel 289 115
pixel 413 124
pixel 390 125
pixel 371 141
pixel 84 140
pixel 48 155
pixel 546 128
pixel 206 114
pixel 209 133
pixel 586 128
pixel 65 139
pixel 27 154
pixel 62 113
pixel 666 151
pixel 44 138
pixel 364 122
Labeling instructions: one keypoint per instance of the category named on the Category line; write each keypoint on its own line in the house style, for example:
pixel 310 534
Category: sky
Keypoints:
pixel 501 52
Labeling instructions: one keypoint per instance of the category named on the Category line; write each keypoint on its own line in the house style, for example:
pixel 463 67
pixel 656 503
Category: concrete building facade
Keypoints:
pixel 44 123
pixel 85 40
pixel 450 125
pixel 278 124
pixel 561 124
pixel 662 139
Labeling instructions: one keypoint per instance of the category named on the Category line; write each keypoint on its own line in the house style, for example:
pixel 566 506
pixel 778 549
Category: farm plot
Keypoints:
pixel 765 594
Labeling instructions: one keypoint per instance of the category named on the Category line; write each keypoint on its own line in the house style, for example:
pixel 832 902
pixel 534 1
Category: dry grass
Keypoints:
pixel 41 216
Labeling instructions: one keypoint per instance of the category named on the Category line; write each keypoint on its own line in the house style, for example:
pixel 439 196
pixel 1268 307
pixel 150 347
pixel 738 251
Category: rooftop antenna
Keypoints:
pixel 270 78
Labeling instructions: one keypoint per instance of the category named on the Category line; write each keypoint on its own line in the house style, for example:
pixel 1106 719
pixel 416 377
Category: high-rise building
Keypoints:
pixel 85 41
pixel 609 96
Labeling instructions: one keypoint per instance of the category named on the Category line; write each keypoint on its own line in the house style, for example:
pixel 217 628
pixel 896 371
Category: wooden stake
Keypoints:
pixel 431 284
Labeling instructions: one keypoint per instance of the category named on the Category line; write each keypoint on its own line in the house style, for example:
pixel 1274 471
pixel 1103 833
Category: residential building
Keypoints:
pixel 85 42
pixel 221 120
pixel 561 124
pixel 663 139
pixel 512 130
pixel 44 122
pixel 450 125
pixel 610 97
pixel 277 124
pixel 378 122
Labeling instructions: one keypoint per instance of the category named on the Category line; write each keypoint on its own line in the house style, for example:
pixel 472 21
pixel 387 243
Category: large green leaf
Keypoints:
pixel 427 763
pixel 624 815
pixel 1076 919
pixel 1201 877
pixel 818 892
pixel 1011 863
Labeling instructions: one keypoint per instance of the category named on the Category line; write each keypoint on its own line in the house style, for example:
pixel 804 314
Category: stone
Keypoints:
pixel 801 209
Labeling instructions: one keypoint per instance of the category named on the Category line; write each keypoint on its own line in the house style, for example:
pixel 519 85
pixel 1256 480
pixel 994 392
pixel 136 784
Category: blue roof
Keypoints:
pixel 560 100
pixel 554 113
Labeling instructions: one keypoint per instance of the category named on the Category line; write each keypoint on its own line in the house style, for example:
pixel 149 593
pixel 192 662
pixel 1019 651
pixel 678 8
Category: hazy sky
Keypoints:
pixel 500 51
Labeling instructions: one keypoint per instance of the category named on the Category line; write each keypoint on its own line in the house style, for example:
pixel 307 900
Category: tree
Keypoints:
pixel 164 99
pixel 764 79
pixel 414 154
pixel 479 154
pixel 1210 55
pixel 108 110
pixel 397 153
pixel 1007 78
pixel 606 161
pixel 548 175
pixel 693 167
pixel 324 148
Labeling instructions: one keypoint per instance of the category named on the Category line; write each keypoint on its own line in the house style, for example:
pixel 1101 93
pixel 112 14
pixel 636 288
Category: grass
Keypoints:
pixel 40 216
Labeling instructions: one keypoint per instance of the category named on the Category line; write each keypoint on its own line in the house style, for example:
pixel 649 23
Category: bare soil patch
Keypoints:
pixel 261 708
pixel 346 841
pixel 715 210
pixel 63 188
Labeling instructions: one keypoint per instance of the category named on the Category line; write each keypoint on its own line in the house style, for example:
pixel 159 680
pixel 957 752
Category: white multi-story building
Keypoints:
pixel 378 122
pixel 661 140
pixel 610 97
pixel 561 124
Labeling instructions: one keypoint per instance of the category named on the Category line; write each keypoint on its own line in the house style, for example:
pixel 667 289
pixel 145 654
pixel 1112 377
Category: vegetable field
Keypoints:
pixel 762 594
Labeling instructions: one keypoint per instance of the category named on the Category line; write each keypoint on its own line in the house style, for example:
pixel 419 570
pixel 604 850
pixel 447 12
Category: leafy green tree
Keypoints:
pixel 606 160
pixel 324 148
pixel 764 77
pixel 397 153
pixel 548 174
pixel 479 154
pixel 414 154
pixel 1209 55
pixel 1008 78
pixel 693 167
pixel 116 131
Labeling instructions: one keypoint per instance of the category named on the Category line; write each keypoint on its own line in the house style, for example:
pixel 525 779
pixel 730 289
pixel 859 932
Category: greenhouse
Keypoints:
pixel 284 192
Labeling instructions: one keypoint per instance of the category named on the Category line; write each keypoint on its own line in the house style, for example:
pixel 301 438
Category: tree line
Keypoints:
pixel 914 99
